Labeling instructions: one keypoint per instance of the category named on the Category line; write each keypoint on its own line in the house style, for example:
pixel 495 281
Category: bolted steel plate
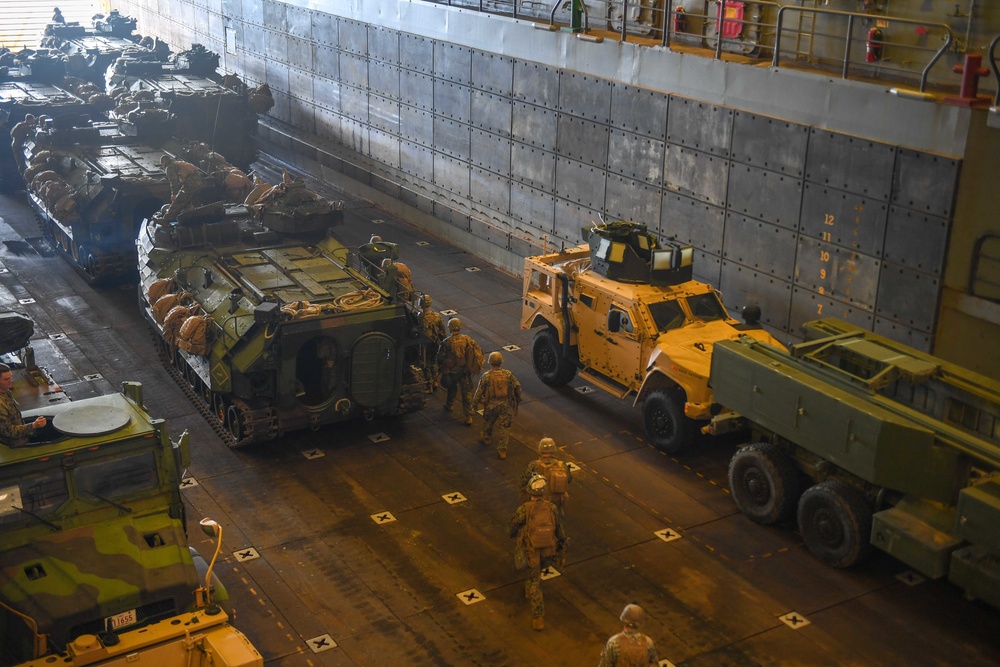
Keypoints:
pixel 86 420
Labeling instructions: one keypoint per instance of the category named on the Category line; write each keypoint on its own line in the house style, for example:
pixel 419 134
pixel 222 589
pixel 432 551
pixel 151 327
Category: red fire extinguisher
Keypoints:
pixel 680 20
pixel 873 47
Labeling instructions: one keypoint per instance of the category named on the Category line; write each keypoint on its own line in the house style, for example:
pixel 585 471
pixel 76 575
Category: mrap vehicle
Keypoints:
pixel 94 558
pixel 869 442
pixel 625 312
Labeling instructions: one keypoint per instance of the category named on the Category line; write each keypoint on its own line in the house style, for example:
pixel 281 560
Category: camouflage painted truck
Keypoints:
pixel 625 312
pixel 95 567
pixel 869 442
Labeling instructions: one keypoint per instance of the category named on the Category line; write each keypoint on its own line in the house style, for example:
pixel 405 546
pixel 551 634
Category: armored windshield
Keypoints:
pixel 667 315
pixel 118 478
pixel 39 495
pixel 706 307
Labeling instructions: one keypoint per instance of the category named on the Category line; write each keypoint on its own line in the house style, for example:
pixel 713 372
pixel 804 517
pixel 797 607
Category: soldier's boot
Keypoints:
pixel 538 623
pixel 468 420
pixel 447 407
pixel 502 453
pixel 485 438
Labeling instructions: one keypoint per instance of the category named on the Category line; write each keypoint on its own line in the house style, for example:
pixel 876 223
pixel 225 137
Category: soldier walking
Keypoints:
pixel 630 648
pixel 557 474
pixel 541 543
pixel 456 373
pixel 500 391
pixel 432 324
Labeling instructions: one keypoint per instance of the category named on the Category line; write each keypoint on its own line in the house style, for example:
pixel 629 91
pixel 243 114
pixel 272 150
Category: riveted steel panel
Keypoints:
pixel 489 231
pixel 837 273
pixel 766 195
pixel 491 152
pixel 760 245
pixel 742 286
pixel 327 124
pixel 383 45
pixel 277 75
pixel 252 11
pixel 585 96
pixel 452 62
pixel 303 115
pixel 925 182
pixel 301 85
pixel 491 112
pixel 326 93
pixel 493 73
pixel 280 109
pixel 325 29
pixel 416 53
pixel 416 89
pixel 628 199
pixel 534 125
pixel 582 140
pixel 326 62
pixel 639 110
pixel 451 174
pixel 384 113
pixel 533 207
pixel 916 240
pixel 417 200
pixel 384 79
pixel 354 70
pixel 416 125
pixel 707 268
pixel 298 22
pixel 808 305
pixel 254 41
pixel 919 340
pixel 416 160
pixel 580 183
pixel 451 137
pixel 571 218
pixel 490 190
pixel 354 37
pixel 452 100
pixel 908 297
pixel 850 163
pixel 636 156
pixel 696 174
pixel 354 103
pixel 300 54
pixel 699 125
pixel 452 216
pixel 536 84
pixel 770 143
pixel 384 147
pixel 844 218
pixel 691 221
pixel 274 16
pixel 354 135
pixel 533 166
pixel 277 46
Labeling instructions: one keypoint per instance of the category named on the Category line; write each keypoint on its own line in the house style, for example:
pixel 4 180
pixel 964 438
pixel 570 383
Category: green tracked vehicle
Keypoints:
pixel 92 536
pixel 267 318
pixel 869 442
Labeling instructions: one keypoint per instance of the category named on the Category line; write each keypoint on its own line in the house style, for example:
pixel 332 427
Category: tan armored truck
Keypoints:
pixel 625 312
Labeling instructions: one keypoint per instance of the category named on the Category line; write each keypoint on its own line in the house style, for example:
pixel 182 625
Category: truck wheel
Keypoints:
pixel 764 483
pixel 551 365
pixel 666 425
pixel 835 523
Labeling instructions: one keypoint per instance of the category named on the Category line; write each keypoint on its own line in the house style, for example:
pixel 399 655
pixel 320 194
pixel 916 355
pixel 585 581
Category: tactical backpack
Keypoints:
pixel 556 478
pixel 632 651
pixel 474 358
pixel 456 353
pixel 541 532
pixel 499 388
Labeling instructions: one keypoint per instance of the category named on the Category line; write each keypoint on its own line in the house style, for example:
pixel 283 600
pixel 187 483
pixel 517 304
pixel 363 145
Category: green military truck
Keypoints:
pixel 93 546
pixel 869 442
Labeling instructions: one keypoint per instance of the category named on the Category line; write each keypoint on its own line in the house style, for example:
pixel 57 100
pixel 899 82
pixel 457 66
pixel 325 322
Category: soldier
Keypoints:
pixel 500 391
pixel 630 648
pixel 185 182
pixel 18 134
pixel 399 275
pixel 432 324
pixel 541 543
pixel 557 474
pixel 13 431
pixel 453 356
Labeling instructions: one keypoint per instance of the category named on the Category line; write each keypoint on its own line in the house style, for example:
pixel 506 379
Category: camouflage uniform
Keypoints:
pixel 185 183
pixel 451 356
pixel 13 430
pixel 432 324
pixel 629 648
pixel 501 393
pixel 539 467
pixel 533 586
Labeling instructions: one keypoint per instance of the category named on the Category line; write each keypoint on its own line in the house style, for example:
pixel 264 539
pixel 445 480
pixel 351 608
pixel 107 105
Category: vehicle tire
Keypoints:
pixel 666 425
pixel 219 406
pixel 238 421
pixel 835 523
pixel 551 366
pixel 764 483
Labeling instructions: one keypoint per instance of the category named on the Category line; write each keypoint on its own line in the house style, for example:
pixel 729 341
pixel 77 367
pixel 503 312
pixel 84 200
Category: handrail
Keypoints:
pixel 949 38
pixel 996 70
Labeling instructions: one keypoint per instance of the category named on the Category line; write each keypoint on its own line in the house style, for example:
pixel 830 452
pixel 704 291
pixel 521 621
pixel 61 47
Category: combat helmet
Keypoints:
pixel 426 301
pixel 633 616
pixel 546 446
pixel 495 359
pixel 536 485
pixel 454 324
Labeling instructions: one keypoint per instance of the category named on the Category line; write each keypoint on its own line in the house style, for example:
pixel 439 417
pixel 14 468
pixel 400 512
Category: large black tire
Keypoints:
pixel 835 523
pixel 551 366
pixel 764 483
pixel 667 427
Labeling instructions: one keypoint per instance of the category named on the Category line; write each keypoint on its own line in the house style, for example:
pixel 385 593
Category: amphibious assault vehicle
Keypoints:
pixel 94 557
pixel 261 311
